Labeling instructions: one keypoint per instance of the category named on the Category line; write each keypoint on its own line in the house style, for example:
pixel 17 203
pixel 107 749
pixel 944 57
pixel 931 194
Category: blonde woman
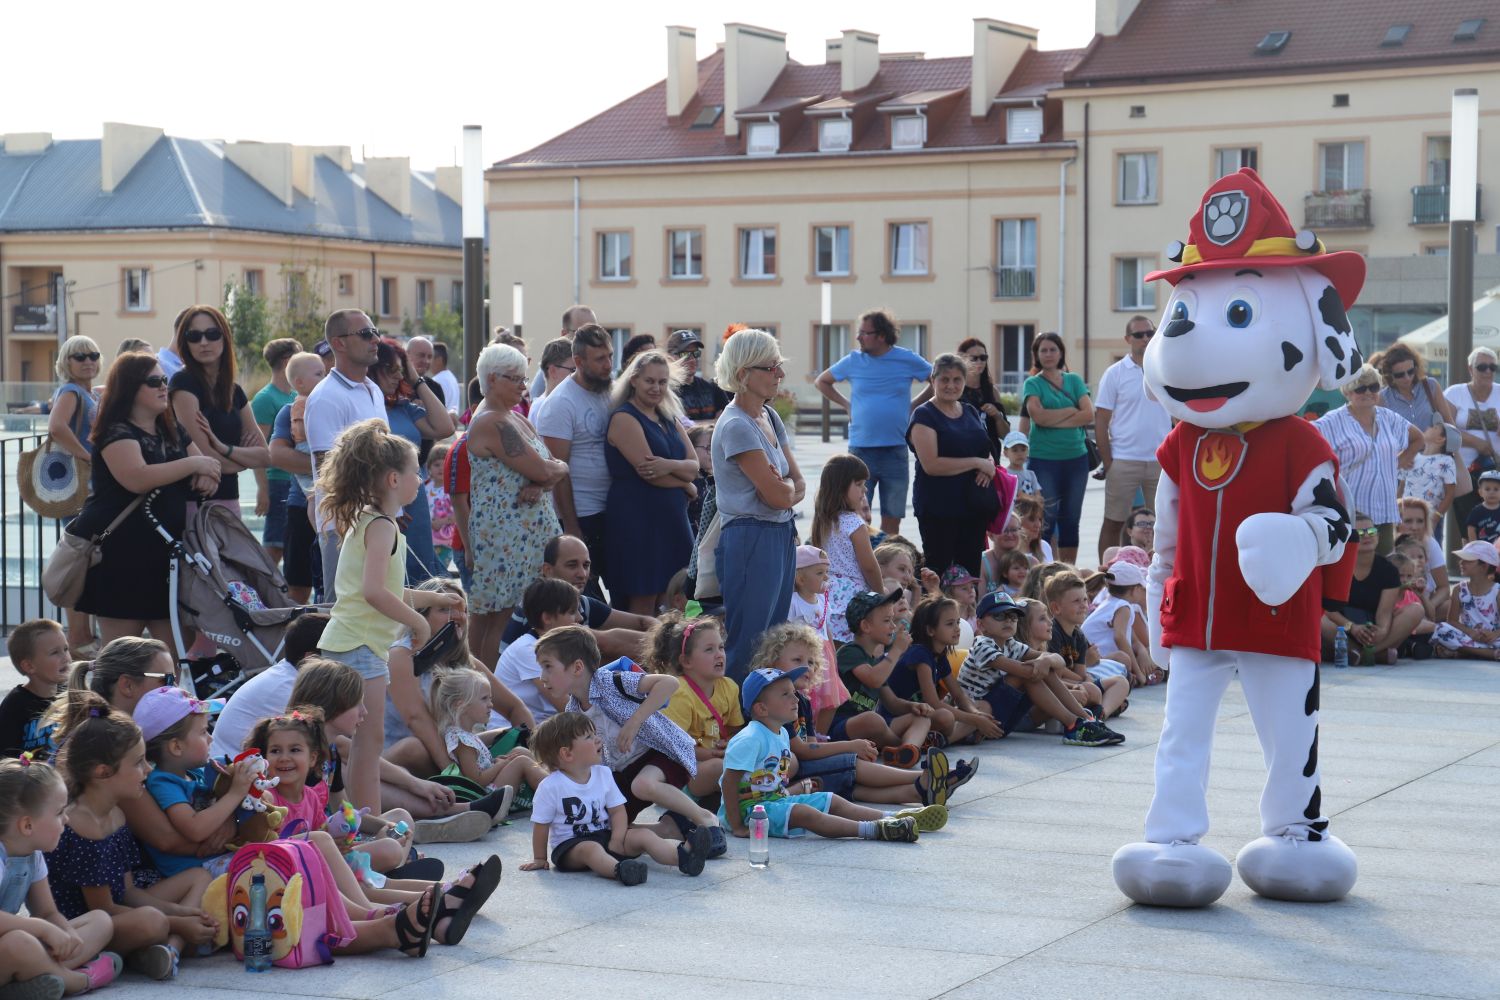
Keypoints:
pixel 70 424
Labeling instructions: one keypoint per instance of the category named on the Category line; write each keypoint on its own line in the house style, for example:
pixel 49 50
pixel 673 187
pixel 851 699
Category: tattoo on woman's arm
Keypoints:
pixel 510 440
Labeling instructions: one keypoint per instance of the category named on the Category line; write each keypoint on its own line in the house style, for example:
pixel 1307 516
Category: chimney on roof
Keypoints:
pixel 120 150
pixel 833 51
pixel 26 143
pixel 302 169
pixel 753 59
pixel 682 68
pixel 1110 15
pixel 389 179
pixel 998 47
pixel 450 182
pixel 269 164
pixel 859 60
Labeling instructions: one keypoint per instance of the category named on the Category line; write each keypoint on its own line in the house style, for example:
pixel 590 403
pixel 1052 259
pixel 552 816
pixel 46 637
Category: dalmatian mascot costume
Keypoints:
pixel 1250 533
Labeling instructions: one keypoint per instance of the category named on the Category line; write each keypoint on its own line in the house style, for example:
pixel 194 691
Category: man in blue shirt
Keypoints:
pixel 880 375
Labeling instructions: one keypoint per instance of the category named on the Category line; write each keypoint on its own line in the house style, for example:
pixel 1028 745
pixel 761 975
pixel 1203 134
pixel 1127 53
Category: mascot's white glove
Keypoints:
pixel 1279 551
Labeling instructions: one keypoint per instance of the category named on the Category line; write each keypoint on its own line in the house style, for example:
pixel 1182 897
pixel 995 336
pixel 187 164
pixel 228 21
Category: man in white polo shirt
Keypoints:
pixel 345 397
pixel 1129 427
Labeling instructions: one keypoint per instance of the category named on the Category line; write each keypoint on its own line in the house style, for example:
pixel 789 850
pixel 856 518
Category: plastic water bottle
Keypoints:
pixel 760 838
pixel 1340 648
pixel 257 934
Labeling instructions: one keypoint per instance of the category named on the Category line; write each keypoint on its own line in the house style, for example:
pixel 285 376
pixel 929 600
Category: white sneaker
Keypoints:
pixel 459 828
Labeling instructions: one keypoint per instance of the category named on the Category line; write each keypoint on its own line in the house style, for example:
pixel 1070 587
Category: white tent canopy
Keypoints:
pixel 1432 338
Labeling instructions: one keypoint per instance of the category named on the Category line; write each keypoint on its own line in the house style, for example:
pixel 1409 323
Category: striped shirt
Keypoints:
pixel 1368 463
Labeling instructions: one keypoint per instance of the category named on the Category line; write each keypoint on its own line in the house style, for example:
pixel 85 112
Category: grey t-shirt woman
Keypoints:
pixel 735 434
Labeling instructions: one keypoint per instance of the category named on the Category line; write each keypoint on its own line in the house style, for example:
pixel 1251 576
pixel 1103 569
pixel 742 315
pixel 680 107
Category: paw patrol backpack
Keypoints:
pixel 304 913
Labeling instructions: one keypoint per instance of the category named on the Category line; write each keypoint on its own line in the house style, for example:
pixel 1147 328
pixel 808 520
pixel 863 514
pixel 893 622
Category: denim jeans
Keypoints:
pixel 274 531
pixel 890 469
pixel 757 562
pixel 1063 482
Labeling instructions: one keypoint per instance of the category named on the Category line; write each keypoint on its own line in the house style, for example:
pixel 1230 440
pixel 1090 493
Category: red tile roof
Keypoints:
pixel 638 129
pixel 1167 39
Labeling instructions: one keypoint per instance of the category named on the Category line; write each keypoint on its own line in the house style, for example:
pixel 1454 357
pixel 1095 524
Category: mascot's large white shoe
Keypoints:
pixel 1251 526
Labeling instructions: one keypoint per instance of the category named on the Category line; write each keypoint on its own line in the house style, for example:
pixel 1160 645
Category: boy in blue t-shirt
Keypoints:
pixel 758 763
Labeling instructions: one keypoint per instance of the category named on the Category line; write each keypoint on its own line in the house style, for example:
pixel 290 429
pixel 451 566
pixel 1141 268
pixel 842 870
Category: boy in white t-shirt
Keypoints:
pixel 578 813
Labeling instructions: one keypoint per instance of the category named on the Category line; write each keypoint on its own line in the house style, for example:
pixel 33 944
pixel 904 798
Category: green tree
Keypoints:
pixel 249 316
pixel 442 323
pixel 300 314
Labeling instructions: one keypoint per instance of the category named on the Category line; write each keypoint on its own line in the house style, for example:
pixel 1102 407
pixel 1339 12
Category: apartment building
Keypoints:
pixel 111 237
pixel 999 193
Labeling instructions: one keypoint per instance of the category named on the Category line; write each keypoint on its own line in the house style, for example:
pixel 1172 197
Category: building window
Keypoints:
pixel 255 281
pixel 909 248
pixel 685 253
pixel 1228 159
pixel 387 296
pixel 1439 158
pixel 1436 250
pixel 456 296
pixel 1015 354
pixel 1023 125
pixel 831 251
pixel 614 256
pixel 838 344
pixel 346 284
pixel 757 254
pixel 913 336
pixel 1015 259
pixel 834 135
pixel 1341 166
pixel 137 289
pixel 908 132
pixel 1137 172
pixel 1131 289
pixel 618 335
pixel 763 139
pixel 425 295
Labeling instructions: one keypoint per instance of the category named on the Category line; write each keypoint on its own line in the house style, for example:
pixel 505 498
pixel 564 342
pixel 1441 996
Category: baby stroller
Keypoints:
pixel 225 586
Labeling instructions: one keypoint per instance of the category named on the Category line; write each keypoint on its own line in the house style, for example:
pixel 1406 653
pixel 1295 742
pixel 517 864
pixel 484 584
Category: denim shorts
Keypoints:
pixel 836 773
pixel 363 660
pixel 274 532
pixel 890 469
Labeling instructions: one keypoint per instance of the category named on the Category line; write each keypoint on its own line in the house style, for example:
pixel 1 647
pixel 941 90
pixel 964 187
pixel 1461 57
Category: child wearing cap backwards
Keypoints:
pixel 758 764
pixel 1472 630
pixel 1017 449
pixel 898 728
pixel 1483 523
pixel 578 820
pixel 811 594
pixel 1020 686
pixel 1112 626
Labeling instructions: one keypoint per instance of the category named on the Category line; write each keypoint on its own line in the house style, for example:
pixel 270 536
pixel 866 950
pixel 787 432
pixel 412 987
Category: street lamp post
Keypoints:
pixel 473 228
pixel 1463 202
pixel 825 335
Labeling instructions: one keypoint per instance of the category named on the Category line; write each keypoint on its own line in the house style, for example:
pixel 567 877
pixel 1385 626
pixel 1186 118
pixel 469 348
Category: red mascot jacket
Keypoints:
pixel 1223 477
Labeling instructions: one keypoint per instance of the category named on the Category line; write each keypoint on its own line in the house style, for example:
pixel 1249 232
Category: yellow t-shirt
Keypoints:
pixel 688 711
pixel 353 622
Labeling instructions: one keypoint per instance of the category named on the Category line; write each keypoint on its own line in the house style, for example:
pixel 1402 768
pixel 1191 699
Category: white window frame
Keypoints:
pixel 762 139
pixel 1348 165
pixel 255 281
pixel 839 239
pixel 691 258
pixel 387 296
pixel 1015 250
pixel 838 348
pixel 1428 162
pixel 1023 124
pixel 426 292
pixel 753 242
pixel 835 135
pixel 902 127
pixel 1136 294
pixel 616 252
pixel 1241 154
pixel 138 289
pixel 346 284
pixel 1146 189
pixel 911 248
pixel 456 296
pixel 913 337
pixel 618 335
pixel 1015 338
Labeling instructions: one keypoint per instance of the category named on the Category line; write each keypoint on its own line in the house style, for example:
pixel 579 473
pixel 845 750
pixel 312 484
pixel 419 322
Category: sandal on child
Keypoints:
pixel 934 791
pixel 412 938
pixel 103 970
pixel 470 899
pixel 631 872
pixel 693 851
pixel 935 741
pixel 905 756
pixel 43 987
pixel 157 961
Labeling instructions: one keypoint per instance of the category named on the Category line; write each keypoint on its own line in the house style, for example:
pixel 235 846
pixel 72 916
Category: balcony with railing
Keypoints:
pixel 1429 204
pixel 1337 209
pixel 33 319
pixel 1015 282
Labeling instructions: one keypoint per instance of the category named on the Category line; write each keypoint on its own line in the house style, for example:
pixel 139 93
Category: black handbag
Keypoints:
pixel 1092 447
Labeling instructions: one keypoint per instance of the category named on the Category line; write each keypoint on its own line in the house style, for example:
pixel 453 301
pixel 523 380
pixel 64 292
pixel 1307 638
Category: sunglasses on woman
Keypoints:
pixel 170 680
pixel 156 381
pixel 1486 368
pixel 83 356
pixel 1360 390
pixel 212 334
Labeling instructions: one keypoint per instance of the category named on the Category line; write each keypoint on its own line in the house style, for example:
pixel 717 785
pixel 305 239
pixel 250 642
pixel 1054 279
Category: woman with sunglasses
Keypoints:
pixel 1371 441
pixel 1477 417
pixel 210 406
pixel 1370 620
pixel 70 423
pixel 142 450
pixel 981 393
pixel 1409 390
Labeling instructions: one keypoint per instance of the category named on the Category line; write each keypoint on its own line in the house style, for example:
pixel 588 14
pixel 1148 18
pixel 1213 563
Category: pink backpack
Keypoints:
pixel 304 911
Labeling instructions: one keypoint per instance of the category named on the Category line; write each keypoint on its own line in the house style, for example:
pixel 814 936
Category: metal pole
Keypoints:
pixel 1462 208
pixel 826 334
pixel 473 229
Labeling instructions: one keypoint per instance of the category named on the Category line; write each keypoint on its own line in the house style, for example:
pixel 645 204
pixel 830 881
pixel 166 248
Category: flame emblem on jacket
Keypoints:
pixel 1218 456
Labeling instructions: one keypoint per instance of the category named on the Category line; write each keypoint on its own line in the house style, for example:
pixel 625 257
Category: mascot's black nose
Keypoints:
pixel 1177 328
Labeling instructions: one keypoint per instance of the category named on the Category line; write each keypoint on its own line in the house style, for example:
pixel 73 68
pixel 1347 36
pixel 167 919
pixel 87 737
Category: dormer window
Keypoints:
pixel 908 132
pixel 1023 125
pixel 763 139
pixel 834 135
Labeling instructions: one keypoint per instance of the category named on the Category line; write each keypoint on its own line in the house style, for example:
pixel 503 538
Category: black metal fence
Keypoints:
pixel 26 540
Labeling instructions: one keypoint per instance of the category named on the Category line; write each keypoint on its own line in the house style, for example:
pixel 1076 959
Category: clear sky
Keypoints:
pixel 402 78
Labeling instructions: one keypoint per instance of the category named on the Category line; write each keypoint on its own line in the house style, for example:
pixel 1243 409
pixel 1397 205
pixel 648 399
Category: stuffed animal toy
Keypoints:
pixel 343 826
pixel 256 820
pixel 1251 526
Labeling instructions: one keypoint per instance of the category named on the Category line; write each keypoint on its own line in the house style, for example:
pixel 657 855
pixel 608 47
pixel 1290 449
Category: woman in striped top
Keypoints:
pixel 1371 441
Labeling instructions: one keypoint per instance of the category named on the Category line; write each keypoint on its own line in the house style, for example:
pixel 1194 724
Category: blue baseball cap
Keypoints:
pixel 998 603
pixel 758 680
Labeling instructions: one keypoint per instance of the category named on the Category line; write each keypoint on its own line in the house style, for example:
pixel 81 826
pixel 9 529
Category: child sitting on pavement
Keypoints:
pixel 1114 624
pixel 1068 603
pixel 923 674
pixel 1472 630
pixel 578 815
pixel 758 764
pixel 898 728
pixel 707 705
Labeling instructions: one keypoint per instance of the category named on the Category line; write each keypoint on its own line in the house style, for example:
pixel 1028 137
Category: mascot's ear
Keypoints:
pixel 1338 357
pixel 216 904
